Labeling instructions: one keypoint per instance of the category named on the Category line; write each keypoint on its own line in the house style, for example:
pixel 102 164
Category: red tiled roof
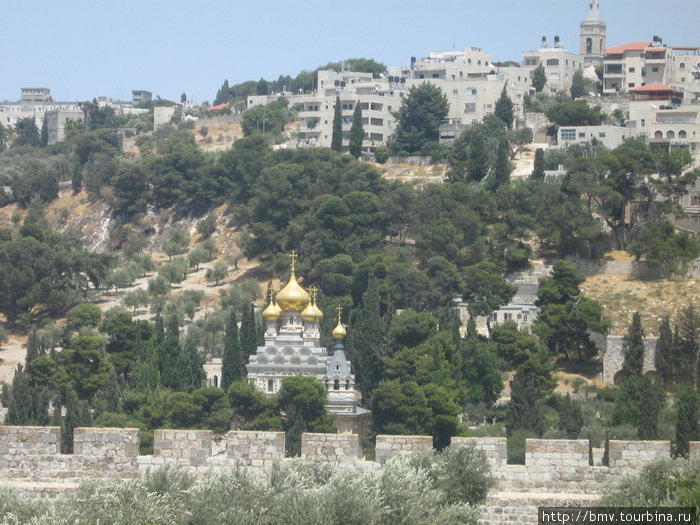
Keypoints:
pixel 217 108
pixel 653 87
pixel 632 46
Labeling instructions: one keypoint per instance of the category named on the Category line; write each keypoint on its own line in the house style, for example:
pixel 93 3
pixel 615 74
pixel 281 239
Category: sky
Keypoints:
pixel 82 49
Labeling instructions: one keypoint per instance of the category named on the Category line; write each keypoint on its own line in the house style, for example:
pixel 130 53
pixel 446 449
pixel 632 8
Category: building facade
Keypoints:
pixel 559 64
pixel 56 123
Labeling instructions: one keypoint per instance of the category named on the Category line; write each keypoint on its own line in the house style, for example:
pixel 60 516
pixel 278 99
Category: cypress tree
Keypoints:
pixel 687 420
pixel 77 415
pixel 20 407
pixel 663 355
pixel 650 402
pixel 688 342
pixel 539 78
pixel 337 136
pixel 169 352
pixel 538 168
pixel 232 360
pixel 249 332
pixel 570 417
pixel 357 132
pixel 190 371
pixel 478 164
pixel 633 347
pixel 502 168
pixel 504 108
pixel 366 339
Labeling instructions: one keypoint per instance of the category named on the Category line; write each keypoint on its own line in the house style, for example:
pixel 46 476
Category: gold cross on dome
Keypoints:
pixel 293 257
pixel 340 311
pixel 312 292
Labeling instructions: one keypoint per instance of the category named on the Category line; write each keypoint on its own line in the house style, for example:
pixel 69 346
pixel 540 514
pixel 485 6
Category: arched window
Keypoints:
pixel 336 384
pixel 347 384
pixel 670 134
pixel 589 45
pixel 216 381
pixel 682 134
pixel 658 135
pixel 270 385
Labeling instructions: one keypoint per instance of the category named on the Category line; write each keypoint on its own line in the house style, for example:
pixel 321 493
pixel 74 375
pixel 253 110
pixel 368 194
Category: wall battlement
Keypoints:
pixel 555 471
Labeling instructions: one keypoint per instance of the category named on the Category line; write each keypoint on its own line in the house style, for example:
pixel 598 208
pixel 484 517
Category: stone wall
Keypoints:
pixel 611 349
pixel 389 446
pixel 336 448
pixel 626 268
pixel 556 472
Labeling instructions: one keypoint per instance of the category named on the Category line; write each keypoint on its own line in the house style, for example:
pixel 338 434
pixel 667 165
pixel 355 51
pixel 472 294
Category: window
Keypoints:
pixel 644 71
pixel 471 91
pixel 568 134
pixel 695 200
pixel 601 134
pixel 658 135
pixel 455 91
pixel 632 70
pixel 553 62
pixel 655 69
pixel 582 134
pixel 507 317
pixel 643 122
pixel 670 134
pixel 336 384
pixel 469 107
pixel 681 65
pixel 524 318
pixel 436 75
pixel 682 134
pixel 630 84
pixel 270 385
pixel 377 121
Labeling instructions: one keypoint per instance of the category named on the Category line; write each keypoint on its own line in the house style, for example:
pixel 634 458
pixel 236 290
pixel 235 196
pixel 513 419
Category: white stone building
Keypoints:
pixel 593 36
pixel 559 64
pixel 56 123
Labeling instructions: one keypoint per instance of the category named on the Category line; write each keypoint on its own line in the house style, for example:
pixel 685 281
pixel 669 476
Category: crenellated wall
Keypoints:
pixel 556 472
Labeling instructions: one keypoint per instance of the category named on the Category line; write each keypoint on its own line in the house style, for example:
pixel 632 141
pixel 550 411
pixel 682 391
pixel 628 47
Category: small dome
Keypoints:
pixel 292 296
pixel 273 312
pixel 309 314
pixel 339 331
pixel 312 312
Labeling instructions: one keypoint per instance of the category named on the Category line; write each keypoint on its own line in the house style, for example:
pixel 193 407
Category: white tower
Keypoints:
pixel 592 35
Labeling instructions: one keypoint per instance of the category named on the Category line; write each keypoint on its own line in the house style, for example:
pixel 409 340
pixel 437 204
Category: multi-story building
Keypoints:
pixel 559 64
pixel 140 95
pixel 56 123
pixel 592 36
pixel 35 95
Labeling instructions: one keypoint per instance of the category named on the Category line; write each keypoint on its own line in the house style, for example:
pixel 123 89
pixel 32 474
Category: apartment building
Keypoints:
pixel 559 64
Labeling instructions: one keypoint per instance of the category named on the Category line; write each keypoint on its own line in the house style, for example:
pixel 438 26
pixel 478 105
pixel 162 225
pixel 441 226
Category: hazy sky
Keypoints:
pixel 85 48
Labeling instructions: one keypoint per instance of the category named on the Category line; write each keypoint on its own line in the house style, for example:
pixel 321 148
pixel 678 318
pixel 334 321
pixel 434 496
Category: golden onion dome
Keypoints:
pixel 292 296
pixel 312 312
pixel 339 331
pixel 273 312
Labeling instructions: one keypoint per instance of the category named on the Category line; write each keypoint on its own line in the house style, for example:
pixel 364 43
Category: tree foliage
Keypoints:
pixel 419 117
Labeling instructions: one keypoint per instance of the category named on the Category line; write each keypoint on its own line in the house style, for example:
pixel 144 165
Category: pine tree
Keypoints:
pixel 232 360
pixel 357 132
pixel 687 420
pixel 504 108
pixel 337 136
pixel 249 332
pixel 478 166
pixel 77 415
pixel 169 352
pixel 532 383
pixel 664 355
pixel 538 168
pixel 578 85
pixel 633 347
pixel 366 341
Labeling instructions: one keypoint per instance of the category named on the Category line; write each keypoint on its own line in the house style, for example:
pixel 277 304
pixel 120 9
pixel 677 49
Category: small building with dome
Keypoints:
pixel 293 347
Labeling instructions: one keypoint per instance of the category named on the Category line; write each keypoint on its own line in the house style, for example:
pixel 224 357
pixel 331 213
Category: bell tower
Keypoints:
pixel 592 35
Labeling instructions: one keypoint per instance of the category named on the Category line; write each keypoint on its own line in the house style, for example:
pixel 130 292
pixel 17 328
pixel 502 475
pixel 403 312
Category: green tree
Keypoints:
pixel 366 341
pixel 665 357
pixel 663 247
pixel 86 365
pixel 578 85
pixel 302 399
pixel 485 290
pixel 538 168
pixel 513 346
pixel 419 117
pixel 686 421
pixel 566 316
pixel 633 347
pixel 651 402
pixel 530 386
pixel 168 353
pixel 85 314
pixel 357 132
pixel 570 417
pixel 539 78
pixel 574 113
pixel 688 345
pixel 189 367
pixel 26 133
pixel 44 136
pixel 504 108
pixel 248 332
pixel 501 169
pixel 217 273
pixel 337 134
pixel 232 361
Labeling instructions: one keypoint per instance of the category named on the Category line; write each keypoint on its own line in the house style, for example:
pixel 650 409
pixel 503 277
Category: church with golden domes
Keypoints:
pixel 292 347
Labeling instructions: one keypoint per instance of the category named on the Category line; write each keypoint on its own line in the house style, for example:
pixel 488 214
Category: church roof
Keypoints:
pixel 593 14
